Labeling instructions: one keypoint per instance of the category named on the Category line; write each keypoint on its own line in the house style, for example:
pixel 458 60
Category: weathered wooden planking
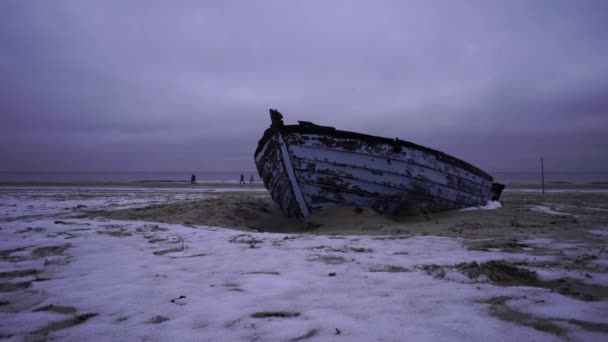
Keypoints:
pixel 271 168
pixel 369 188
pixel 379 170
pixel 382 152
pixel 321 198
pixel 308 167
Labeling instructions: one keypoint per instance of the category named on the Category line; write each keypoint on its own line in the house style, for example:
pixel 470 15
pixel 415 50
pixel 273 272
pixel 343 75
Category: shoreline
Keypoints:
pixel 174 185
pixel 203 185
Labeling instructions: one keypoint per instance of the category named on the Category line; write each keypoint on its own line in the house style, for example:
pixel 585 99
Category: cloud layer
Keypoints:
pixel 160 85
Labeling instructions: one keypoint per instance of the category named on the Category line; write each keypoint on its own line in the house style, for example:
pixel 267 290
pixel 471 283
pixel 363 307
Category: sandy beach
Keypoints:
pixel 221 262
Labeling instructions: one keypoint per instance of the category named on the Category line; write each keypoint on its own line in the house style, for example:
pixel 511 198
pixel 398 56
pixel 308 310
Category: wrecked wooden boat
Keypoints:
pixel 308 168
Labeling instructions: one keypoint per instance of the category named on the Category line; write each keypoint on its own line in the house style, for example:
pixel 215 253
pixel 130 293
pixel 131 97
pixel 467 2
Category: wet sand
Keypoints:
pixel 521 216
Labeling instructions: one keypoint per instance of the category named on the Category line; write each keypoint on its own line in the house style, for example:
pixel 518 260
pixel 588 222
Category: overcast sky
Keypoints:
pixel 186 85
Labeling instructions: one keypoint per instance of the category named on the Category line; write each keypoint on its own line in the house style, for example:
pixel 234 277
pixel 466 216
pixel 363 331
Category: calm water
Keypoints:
pixel 123 176
pixel 503 177
pixel 550 177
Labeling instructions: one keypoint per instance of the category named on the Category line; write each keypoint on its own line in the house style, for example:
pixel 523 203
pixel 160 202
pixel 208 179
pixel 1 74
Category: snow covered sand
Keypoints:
pixel 69 270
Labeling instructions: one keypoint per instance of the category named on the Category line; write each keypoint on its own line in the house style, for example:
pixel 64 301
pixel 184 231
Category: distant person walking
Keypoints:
pixel 193 179
pixel 242 179
pixel 251 180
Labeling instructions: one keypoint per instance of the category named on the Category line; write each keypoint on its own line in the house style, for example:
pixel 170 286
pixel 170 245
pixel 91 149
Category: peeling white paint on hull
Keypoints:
pixel 308 168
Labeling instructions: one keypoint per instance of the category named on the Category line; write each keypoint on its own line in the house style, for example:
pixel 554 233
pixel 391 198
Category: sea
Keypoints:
pixel 234 176
pixel 123 177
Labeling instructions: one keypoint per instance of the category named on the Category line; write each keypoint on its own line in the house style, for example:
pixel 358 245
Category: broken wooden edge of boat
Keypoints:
pixel 308 168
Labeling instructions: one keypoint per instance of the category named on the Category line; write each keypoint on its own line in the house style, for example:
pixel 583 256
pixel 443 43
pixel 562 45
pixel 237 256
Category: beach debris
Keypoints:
pixel 338 332
pixel 332 274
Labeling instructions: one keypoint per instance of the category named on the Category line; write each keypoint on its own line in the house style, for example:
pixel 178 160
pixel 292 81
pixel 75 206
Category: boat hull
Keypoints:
pixel 308 168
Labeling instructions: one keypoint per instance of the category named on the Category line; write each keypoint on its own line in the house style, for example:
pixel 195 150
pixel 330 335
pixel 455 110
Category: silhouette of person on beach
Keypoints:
pixel 193 179
pixel 242 179
pixel 251 180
